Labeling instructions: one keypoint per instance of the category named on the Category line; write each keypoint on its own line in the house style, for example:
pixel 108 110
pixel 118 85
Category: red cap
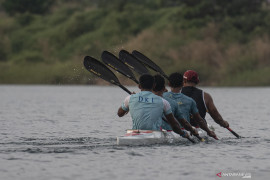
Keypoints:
pixel 192 76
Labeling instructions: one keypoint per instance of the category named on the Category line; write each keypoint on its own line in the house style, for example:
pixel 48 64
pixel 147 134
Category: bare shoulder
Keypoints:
pixel 207 96
pixel 208 100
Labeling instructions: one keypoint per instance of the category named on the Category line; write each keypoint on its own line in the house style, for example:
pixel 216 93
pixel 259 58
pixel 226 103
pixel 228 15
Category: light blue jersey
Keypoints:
pixel 176 112
pixel 146 110
pixel 187 105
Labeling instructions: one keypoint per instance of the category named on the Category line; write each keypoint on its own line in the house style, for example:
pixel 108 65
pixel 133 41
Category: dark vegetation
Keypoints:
pixel 44 41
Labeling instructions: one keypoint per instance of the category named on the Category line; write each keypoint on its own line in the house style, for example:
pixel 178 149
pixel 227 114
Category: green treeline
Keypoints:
pixel 45 41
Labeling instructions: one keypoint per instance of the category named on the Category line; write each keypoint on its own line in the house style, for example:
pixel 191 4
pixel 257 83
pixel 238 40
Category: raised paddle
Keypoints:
pixel 234 133
pixel 132 62
pixel 146 61
pixel 99 69
pixel 96 67
pixel 113 62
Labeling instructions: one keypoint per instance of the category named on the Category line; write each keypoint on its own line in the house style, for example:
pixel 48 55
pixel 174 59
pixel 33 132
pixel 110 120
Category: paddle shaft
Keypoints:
pixel 124 88
pixel 200 138
pixel 234 133
pixel 191 140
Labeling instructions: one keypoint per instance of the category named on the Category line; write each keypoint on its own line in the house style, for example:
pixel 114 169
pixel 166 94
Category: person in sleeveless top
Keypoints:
pixel 146 109
pixel 159 90
pixel 186 104
pixel 204 100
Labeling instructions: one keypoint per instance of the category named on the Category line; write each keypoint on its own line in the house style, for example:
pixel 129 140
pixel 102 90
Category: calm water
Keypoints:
pixel 68 132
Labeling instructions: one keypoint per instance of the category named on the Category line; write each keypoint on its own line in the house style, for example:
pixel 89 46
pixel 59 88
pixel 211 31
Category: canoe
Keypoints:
pixel 149 137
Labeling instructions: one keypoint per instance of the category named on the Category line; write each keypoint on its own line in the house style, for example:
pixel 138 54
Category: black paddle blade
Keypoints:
pixel 113 62
pixel 96 67
pixel 132 62
pixel 145 60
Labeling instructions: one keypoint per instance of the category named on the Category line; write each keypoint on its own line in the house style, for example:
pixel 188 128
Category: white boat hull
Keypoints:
pixel 148 137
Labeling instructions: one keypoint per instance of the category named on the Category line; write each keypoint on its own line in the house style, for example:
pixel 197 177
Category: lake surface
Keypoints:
pixel 68 132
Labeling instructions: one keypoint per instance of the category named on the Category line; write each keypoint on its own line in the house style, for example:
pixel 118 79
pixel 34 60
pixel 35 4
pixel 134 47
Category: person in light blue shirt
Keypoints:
pixel 159 90
pixel 146 109
pixel 186 104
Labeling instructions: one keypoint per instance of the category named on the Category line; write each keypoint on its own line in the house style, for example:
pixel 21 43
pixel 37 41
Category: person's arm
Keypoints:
pixel 179 116
pixel 203 125
pixel 122 110
pixel 175 125
pixel 167 111
pixel 187 126
pixel 212 110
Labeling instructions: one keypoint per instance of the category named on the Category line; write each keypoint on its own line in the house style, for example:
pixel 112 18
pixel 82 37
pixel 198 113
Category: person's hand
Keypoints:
pixel 224 124
pixel 185 135
pixel 133 92
pixel 212 134
pixel 194 132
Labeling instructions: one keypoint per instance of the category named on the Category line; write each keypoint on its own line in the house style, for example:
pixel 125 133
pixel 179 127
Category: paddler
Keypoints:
pixel 204 100
pixel 159 90
pixel 146 109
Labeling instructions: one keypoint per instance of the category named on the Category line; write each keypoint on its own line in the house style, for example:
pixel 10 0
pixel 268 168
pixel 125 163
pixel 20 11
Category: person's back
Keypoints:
pixel 159 90
pixel 204 100
pixel 186 104
pixel 146 111
pixel 197 95
pixel 176 112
